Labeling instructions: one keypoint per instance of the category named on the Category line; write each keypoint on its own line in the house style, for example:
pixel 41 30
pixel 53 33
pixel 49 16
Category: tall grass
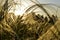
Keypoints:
pixel 16 28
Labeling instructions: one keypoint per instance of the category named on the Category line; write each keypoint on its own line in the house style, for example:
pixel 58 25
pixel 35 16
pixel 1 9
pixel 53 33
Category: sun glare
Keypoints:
pixel 18 9
pixel 18 12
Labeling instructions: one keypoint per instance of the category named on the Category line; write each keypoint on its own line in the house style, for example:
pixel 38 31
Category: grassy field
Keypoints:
pixel 32 27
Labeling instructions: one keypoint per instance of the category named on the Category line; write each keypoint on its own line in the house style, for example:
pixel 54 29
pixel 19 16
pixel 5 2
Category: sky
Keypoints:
pixel 45 1
pixel 57 2
pixel 20 9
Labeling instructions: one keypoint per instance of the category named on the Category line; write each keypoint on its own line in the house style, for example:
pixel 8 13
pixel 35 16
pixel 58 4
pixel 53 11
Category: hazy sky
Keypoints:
pixel 57 2
pixel 25 3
